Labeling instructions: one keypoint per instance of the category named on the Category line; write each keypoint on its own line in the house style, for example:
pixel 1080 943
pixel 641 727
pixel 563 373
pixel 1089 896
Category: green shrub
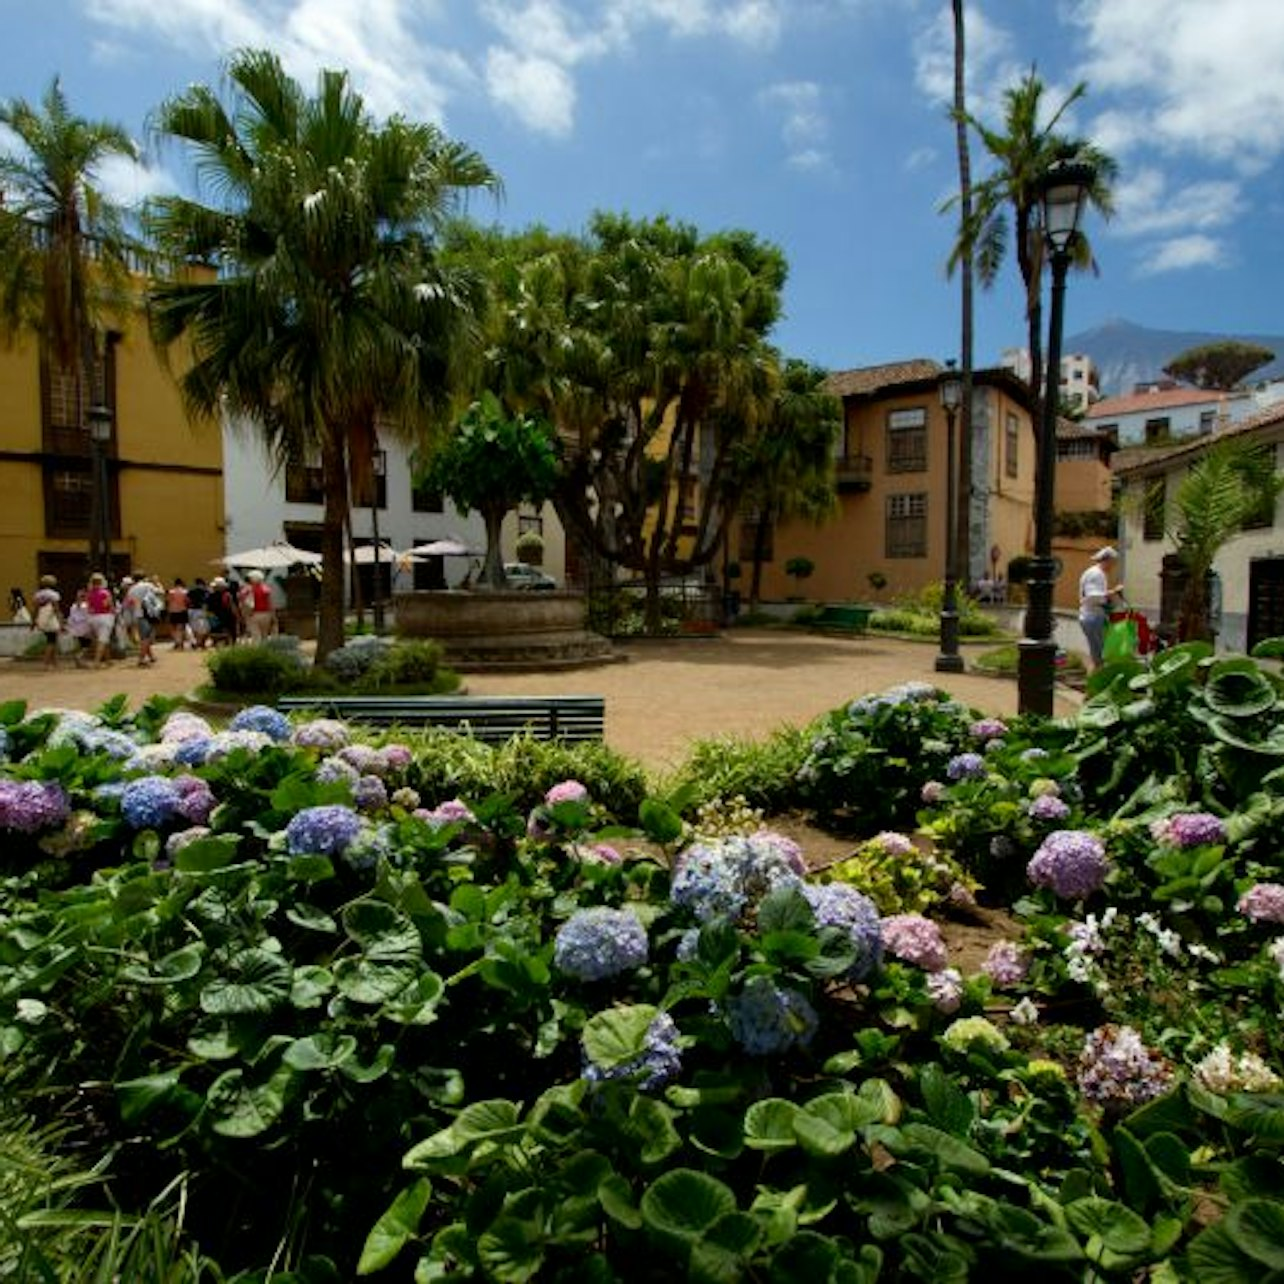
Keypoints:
pixel 410 663
pixel 761 772
pixel 243 670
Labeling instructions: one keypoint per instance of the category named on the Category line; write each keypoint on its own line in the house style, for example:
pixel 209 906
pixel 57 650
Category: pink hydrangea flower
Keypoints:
pixel 915 939
pixel 1263 903
pixel 1006 963
pixel 894 844
pixel 568 791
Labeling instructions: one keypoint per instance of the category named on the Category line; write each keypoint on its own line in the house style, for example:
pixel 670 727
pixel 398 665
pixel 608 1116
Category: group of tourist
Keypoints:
pixel 104 618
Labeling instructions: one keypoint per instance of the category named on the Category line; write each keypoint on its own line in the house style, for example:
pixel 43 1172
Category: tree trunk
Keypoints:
pixel 759 557
pixel 334 471
pixel 963 517
pixel 493 570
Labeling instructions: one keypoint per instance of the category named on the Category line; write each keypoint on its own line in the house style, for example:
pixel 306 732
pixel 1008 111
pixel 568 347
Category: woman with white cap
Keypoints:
pixel 1094 600
pixel 259 612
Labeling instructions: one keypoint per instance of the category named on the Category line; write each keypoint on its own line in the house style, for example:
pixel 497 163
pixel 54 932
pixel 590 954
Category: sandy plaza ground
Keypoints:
pixel 665 693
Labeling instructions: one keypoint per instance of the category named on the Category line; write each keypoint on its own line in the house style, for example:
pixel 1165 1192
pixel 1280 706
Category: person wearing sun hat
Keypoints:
pixel 1095 593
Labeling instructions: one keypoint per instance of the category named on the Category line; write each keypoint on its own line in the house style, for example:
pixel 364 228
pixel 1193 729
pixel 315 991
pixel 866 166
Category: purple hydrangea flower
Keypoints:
pixel 988 729
pixel 916 940
pixel 326 734
pixel 28 806
pixel 1116 1069
pixel 451 812
pixel 1189 829
pixel 768 1019
pixel 597 943
pixel 396 757
pixel 658 1064
pixel 568 791
pixel 367 760
pixel 893 844
pixel 322 831
pixel 597 853
pixel 1263 903
pixel 370 794
pixel 841 905
pixel 150 802
pixel 1071 862
pixel 1047 807
pixel 330 770
pixel 1006 963
pixel 965 766
pixel 945 989
pixel 182 726
pixel 195 799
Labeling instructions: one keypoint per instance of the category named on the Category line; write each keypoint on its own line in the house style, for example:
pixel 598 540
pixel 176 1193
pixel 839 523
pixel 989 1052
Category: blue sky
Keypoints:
pixel 820 125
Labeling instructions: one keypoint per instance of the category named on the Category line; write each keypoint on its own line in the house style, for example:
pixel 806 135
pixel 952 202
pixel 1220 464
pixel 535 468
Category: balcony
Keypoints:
pixel 853 472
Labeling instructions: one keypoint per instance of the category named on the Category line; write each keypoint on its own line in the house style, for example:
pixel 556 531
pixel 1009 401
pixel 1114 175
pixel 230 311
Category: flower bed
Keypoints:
pixel 382 1026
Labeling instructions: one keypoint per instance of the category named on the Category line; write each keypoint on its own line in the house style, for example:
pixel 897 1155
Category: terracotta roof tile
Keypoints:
pixel 871 379
pixel 1137 402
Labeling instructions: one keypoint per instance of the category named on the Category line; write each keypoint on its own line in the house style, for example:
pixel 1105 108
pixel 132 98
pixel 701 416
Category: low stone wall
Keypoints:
pixel 496 629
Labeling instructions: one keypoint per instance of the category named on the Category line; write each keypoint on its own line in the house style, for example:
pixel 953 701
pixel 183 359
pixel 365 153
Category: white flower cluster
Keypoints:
pixel 1167 940
pixel 1223 1072
pixel 1087 942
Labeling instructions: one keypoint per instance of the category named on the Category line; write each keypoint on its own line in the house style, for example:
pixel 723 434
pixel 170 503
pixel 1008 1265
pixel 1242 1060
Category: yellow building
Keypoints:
pixel 164 476
pixel 891 473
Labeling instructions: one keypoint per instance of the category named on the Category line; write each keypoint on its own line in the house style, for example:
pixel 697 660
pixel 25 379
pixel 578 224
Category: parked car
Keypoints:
pixel 521 576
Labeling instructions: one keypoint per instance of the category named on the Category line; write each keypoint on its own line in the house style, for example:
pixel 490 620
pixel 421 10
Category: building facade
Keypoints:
pixel 1250 568
pixel 891 475
pixel 1080 380
pixel 164 475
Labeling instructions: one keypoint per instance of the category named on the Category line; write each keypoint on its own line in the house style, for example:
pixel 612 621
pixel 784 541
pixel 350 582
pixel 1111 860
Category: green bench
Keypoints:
pixel 490 718
pixel 843 619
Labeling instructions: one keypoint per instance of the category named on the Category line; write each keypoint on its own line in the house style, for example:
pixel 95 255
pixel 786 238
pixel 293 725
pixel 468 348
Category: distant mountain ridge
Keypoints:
pixel 1126 354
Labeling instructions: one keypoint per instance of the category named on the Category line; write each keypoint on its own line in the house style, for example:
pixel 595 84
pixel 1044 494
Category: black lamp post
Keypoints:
pixel 948 659
pixel 378 465
pixel 99 420
pixel 1065 191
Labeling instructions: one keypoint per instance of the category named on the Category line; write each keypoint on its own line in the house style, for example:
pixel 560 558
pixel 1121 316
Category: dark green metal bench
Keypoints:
pixel 843 619
pixel 490 718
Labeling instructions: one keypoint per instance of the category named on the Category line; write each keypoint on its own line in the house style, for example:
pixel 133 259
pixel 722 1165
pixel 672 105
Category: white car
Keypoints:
pixel 521 576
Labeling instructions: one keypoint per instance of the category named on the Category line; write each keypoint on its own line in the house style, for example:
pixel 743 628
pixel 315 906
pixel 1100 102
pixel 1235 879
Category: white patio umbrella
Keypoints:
pixel 366 554
pixel 447 547
pixel 270 557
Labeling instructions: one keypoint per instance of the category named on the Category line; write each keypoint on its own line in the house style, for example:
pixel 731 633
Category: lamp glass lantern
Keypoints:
pixel 1064 195
pixel 951 388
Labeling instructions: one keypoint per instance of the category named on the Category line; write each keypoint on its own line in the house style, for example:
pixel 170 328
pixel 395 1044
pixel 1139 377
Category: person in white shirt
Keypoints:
pixel 1095 593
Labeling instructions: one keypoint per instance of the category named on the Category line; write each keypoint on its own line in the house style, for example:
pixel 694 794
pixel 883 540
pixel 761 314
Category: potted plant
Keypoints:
pixel 799 569
pixel 877 581
pixel 530 548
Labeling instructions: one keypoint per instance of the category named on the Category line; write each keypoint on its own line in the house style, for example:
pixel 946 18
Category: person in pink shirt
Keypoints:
pixel 101 607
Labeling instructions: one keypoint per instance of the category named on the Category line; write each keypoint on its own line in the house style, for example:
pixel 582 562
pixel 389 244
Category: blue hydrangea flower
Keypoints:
pixel 27 806
pixel 597 943
pixel 4 744
pixel 322 831
pixel 965 766
pixel 658 1064
pixel 370 794
pixel 150 802
pixel 724 876
pixel 841 905
pixel 768 1019
pixel 261 717
pixel 193 752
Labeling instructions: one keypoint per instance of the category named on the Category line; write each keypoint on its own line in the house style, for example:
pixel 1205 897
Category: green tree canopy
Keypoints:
pixel 329 309
pixel 492 462
pixel 1221 365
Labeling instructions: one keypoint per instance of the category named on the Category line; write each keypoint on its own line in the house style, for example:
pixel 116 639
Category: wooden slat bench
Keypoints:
pixel 843 619
pixel 490 718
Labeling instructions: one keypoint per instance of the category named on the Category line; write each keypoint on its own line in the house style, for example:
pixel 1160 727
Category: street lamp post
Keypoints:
pixel 948 659
pixel 99 418
pixel 1065 191
pixel 378 465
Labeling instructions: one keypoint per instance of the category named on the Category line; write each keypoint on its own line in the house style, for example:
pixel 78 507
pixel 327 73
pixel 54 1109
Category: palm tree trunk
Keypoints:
pixel 334 471
pixel 963 518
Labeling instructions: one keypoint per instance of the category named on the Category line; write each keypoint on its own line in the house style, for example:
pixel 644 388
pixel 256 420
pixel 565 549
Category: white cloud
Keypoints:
pixel 804 125
pixel 1189 77
pixel 129 183
pixel 536 90
pixel 991 61
pixel 920 158
pixel 1145 205
pixel 1183 253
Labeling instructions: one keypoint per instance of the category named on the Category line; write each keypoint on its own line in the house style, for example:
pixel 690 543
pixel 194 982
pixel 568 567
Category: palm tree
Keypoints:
pixel 65 253
pixel 788 466
pixel 1024 150
pixel 1232 483
pixel 329 308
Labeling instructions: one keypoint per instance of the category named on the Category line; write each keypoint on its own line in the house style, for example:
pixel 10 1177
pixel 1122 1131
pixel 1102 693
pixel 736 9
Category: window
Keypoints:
pixel 531 522
pixel 907 525
pixel 303 484
pixel 1156 430
pixel 69 501
pixel 63 406
pixel 907 441
pixel 1156 501
pixel 1207 422
pixel 1077 448
pixel 1011 443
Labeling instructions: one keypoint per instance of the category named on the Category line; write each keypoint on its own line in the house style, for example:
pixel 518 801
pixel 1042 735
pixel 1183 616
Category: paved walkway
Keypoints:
pixel 666 694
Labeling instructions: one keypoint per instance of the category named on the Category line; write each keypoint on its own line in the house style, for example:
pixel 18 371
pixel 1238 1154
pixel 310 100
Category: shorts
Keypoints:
pixel 146 628
pixel 178 618
pixel 100 626
pixel 51 638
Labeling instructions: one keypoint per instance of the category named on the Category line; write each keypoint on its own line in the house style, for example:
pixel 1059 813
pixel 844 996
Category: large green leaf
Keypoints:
pixel 1237 688
pixel 769 1124
pixel 180 965
pixel 241 1107
pixel 256 982
pixel 948 1106
pixel 684 1204
pixel 325 1050
pixel 512 1250
pixel 1257 1227
pixel 618 1035
pixel 396 1228
pixel 1115 1225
